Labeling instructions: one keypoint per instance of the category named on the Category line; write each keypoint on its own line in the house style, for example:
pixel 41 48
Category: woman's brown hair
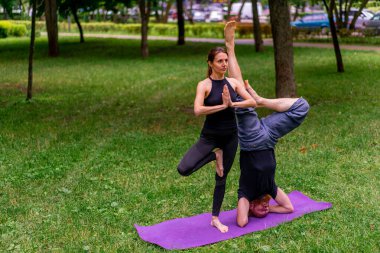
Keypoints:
pixel 211 56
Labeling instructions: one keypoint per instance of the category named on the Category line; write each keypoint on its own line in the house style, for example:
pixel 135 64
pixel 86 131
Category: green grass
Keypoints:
pixel 97 148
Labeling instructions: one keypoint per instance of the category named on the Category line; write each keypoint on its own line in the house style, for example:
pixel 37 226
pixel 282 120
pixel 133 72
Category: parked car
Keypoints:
pixel 373 25
pixel 216 16
pixel 199 16
pixel 364 16
pixel 312 21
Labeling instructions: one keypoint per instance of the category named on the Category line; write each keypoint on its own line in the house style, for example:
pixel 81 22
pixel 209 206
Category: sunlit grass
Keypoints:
pixel 97 148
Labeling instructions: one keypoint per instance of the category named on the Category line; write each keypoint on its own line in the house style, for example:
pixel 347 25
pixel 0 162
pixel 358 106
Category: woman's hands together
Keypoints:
pixel 226 97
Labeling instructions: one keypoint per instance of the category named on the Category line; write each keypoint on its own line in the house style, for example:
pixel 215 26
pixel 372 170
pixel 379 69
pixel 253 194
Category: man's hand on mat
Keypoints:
pixel 215 222
pixel 219 162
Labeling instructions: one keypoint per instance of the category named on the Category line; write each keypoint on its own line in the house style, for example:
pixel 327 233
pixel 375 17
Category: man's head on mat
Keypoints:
pixel 259 208
pixel 217 60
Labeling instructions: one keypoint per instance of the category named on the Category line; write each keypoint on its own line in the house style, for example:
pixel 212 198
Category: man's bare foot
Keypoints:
pixel 215 222
pixel 219 162
pixel 254 94
pixel 229 34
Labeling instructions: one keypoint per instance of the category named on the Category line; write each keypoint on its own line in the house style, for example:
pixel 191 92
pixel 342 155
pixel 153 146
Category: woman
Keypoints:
pixel 216 98
pixel 257 138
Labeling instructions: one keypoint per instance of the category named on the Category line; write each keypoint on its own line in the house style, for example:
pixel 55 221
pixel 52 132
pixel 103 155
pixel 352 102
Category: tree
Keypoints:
pixel 189 13
pixel 241 9
pixel 181 23
pixel 298 4
pixel 257 28
pixel 357 14
pixel 72 6
pixel 144 6
pixel 31 51
pixel 330 9
pixel 283 48
pixel 8 6
pixel 52 26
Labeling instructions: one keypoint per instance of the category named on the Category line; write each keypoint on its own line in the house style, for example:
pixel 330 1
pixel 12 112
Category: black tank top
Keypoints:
pixel 223 121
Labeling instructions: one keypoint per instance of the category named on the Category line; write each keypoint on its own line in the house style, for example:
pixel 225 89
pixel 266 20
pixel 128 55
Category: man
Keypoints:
pixel 257 139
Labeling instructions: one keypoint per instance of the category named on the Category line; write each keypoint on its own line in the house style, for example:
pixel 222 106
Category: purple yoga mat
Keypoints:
pixel 195 231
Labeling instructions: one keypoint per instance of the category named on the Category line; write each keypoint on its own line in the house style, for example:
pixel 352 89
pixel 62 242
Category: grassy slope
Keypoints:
pixel 96 151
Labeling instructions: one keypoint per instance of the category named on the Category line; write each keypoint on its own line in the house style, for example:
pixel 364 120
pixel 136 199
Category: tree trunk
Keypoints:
pixel 155 7
pixel 52 26
pixel 338 55
pixel 357 14
pixel 296 14
pixel 229 7
pixel 74 11
pixel 283 48
pixel 190 14
pixel 181 23
pixel 144 13
pixel 241 9
pixel 5 14
pixel 31 52
pixel 257 28
pixel 166 13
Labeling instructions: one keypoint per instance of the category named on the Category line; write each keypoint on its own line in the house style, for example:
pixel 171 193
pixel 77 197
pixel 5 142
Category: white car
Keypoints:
pixel 216 16
pixel 364 16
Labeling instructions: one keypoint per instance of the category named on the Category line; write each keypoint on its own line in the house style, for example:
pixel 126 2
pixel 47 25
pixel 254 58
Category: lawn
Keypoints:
pixel 96 149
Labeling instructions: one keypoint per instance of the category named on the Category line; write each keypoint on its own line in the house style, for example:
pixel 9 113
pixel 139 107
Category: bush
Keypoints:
pixel 196 30
pixel 18 30
pixel 5 27
pixel 371 32
pixel 245 30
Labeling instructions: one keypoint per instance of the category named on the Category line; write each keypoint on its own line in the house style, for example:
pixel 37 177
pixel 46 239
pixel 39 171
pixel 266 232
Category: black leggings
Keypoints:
pixel 202 153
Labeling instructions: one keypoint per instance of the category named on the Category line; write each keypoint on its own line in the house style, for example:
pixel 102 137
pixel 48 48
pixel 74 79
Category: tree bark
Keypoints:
pixel 283 48
pixel 52 26
pixel 29 89
pixel 241 9
pixel 229 7
pixel 181 23
pixel 357 14
pixel 189 14
pixel 165 15
pixel 75 14
pixel 257 28
pixel 339 61
pixel 144 13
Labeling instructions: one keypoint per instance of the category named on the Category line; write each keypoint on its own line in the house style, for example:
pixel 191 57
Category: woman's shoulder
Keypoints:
pixel 232 81
pixel 205 82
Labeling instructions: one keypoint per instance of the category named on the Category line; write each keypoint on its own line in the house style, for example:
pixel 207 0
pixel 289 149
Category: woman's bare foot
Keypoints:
pixel 229 34
pixel 219 162
pixel 215 222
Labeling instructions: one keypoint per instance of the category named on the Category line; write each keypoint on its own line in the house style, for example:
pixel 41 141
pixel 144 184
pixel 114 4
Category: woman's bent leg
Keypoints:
pixel 198 155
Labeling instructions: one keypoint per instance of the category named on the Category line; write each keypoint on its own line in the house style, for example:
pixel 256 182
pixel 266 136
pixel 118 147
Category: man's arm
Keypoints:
pixel 284 203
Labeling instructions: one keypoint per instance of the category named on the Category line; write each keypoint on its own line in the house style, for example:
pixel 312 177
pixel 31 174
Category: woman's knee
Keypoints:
pixel 183 170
